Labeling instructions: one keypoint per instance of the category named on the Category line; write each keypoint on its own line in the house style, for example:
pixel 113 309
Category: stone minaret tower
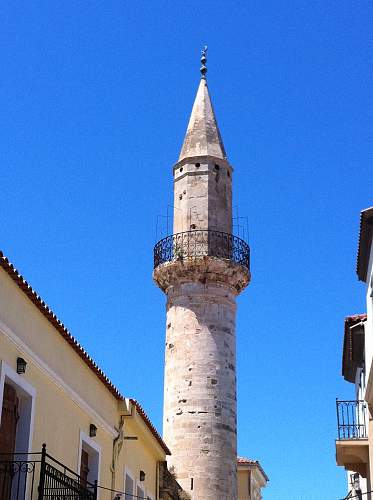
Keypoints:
pixel 201 268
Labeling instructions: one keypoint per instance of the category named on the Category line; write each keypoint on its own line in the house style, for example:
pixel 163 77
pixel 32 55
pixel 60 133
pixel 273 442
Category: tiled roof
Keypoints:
pixel 255 463
pixel 148 422
pixel 64 332
pixel 355 318
pixel 365 241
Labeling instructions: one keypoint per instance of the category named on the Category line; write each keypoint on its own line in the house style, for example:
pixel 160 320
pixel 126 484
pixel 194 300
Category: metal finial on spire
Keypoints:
pixel 203 68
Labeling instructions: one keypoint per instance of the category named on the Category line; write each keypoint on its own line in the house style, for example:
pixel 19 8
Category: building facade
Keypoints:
pixel 354 444
pixel 202 268
pixel 251 479
pixel 52 392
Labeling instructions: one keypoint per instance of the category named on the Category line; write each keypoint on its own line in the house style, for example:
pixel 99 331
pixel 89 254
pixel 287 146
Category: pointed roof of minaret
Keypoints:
pixel 203 137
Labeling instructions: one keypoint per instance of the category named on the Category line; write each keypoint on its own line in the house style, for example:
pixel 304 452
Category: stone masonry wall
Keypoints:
pixel 203 196
pixel 200 389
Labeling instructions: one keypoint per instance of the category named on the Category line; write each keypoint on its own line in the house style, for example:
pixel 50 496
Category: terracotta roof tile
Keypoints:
pixel 365 241
pixel 355 318
pixel 249 461
pixel 148 422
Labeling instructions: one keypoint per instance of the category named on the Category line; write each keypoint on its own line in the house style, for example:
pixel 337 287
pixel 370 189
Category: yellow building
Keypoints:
pixel 51 391
pixel 251 479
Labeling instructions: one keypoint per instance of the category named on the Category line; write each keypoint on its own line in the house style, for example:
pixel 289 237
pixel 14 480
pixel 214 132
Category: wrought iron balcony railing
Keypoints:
pixel 200 243
pixel 25 476
pixel 351 419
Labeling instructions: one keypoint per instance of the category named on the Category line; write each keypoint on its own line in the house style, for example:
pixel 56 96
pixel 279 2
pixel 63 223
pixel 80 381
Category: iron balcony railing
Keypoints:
pixel 351 419
pixel 17 475
pixel 31 476
pixel 200 243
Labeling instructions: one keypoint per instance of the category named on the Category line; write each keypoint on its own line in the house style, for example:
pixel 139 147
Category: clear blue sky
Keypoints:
pixel 95 102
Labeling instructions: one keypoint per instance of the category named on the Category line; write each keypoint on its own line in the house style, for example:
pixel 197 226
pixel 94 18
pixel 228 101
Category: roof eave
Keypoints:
pixel 248 463
pixel 150 426
pixel 35 298
pixel 365 242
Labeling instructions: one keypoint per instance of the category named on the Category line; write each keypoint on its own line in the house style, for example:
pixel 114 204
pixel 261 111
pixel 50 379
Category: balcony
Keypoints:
pixel 352 443
pixel 28 476
pixel 199 243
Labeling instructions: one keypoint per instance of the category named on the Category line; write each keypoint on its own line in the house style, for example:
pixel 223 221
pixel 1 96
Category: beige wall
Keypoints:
pixel 243 484
pixel 68 395
pixel 250 481
pixel 31 327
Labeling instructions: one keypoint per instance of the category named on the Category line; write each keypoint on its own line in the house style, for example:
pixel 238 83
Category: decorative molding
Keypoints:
pixel 56 379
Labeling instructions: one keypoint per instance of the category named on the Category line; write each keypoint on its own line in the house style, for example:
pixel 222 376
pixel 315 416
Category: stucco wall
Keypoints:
pixel 68 395
pixel 369 322
pixel 243 484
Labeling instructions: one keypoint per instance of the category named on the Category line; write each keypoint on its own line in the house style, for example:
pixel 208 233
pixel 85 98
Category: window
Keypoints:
pixel 89 459
pixel 17 397
pixel 140 492
pixel 16 409
pixel 129 484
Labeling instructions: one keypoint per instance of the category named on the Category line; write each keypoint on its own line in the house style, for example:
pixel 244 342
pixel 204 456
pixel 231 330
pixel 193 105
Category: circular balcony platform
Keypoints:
pixel 202 243
pixel 202 256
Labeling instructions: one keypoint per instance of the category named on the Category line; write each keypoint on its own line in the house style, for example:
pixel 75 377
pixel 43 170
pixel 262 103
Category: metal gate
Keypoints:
pixel 39 476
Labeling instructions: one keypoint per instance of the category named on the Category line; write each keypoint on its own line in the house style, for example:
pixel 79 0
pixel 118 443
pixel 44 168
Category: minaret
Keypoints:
pixel 201 268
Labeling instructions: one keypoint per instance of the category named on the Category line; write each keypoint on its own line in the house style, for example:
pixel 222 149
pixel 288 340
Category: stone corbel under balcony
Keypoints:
pixel 353 454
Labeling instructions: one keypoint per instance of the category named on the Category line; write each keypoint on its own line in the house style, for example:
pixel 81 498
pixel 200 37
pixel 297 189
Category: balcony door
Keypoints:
pixel 8 428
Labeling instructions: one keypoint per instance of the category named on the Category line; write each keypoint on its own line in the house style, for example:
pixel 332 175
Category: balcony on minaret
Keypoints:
pixel 202 244
pixel 202 247
pixel 202 267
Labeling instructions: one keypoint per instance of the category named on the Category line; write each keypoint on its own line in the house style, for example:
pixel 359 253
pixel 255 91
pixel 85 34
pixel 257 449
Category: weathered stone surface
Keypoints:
pixel 203 195
pixel 201 280
pixel 203 270
pixel 203 136
pixel 200 388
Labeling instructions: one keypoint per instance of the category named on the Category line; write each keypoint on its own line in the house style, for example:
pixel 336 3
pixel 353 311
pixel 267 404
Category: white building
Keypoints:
pixel 354 418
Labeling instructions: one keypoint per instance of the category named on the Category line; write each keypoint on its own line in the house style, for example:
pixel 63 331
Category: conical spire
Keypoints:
pixel 202 137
